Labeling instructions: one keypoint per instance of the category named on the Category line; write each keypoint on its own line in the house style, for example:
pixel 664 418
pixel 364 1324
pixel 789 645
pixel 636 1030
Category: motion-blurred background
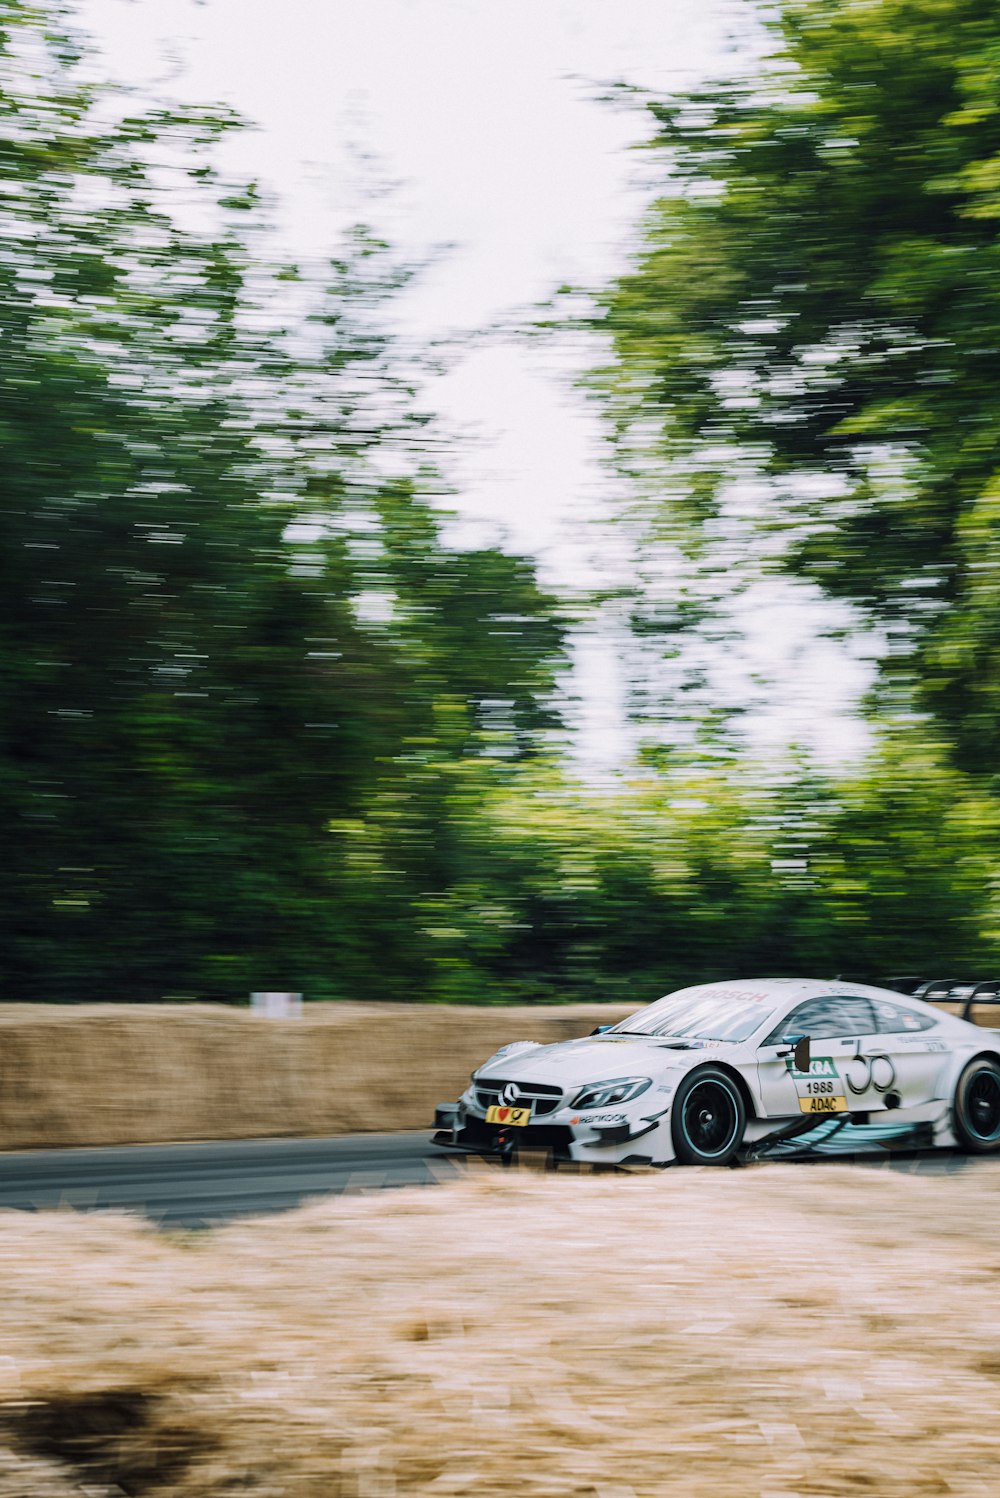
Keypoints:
pixel 521 522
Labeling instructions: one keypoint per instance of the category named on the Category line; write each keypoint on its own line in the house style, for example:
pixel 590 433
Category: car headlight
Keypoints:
pixel 604 1094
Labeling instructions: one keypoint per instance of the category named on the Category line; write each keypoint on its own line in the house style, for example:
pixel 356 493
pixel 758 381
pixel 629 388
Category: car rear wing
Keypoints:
pixel 966 994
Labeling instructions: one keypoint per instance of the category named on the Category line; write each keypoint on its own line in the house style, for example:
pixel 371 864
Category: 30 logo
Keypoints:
pixel 873 1071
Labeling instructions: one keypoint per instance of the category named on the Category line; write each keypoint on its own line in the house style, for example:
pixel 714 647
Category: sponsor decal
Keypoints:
pixel 821 1066
pixel 823 1103
pixel 514 1045
pixel 819 1089
pixel 603 1118
pixel 742 995
pixel 518 1117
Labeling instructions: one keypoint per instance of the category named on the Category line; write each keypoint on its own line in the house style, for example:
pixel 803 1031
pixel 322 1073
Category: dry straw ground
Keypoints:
pixel 123 1073
pixel 776 1331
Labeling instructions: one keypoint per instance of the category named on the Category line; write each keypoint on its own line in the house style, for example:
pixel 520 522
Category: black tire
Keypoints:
pixel 709 1118
pixel 976 1110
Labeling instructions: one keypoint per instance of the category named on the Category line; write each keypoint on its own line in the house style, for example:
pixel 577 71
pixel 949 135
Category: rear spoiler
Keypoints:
pixel 964 991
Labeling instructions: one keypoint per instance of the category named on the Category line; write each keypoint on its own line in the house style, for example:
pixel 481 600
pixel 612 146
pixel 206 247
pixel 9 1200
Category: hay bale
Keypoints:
pixel 132 1074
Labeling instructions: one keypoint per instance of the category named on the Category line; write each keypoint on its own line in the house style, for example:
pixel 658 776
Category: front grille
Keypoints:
pixel 539 1096
pixel 475 1132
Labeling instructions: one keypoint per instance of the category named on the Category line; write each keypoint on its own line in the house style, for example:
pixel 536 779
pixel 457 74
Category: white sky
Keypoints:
pixel 487 116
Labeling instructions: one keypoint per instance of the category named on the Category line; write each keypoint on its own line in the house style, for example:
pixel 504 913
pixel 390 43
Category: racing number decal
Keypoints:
pixel 822 1097
pixel 820 1089
pixel 823 1090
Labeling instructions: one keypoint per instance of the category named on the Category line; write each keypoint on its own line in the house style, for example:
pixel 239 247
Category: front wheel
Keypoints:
pixel 977 1107
pixel 709 1118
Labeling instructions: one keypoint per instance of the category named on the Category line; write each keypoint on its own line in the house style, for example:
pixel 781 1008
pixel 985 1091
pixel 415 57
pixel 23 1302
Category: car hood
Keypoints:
pixel 595 1058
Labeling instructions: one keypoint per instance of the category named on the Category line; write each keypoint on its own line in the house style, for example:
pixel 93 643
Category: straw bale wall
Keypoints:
pixel 133 1074
pixel 136 1074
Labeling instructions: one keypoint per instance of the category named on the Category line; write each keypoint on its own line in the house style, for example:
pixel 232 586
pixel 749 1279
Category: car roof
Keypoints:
pixel 780 991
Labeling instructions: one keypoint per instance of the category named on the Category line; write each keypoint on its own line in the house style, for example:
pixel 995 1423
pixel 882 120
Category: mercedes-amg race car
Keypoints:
pixel 726 1071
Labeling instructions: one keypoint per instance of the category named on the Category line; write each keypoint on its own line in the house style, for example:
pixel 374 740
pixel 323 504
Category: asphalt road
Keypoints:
pixel 195 1185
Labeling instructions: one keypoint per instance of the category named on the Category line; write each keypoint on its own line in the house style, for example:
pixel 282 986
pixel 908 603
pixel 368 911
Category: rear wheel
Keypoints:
pixel 977 1107
pixel 709 1118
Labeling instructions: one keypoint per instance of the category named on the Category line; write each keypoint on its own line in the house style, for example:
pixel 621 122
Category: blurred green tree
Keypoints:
pixel 263 727
pixel 227 614
pixel 816 310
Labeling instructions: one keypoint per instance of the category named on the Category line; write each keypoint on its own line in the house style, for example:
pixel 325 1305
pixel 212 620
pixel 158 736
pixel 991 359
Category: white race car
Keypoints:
pixel 748 1069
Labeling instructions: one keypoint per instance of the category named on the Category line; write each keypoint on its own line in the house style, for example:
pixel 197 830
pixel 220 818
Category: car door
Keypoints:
pixel 839 1027
pixel 917 1056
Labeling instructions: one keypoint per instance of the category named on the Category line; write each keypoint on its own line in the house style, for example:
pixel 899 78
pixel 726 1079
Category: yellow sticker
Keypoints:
pixel 516 1116
pixel 824 1104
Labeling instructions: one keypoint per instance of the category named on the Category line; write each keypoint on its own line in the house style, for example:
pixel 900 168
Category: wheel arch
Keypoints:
pixel 991 1055
pixel 737 1076
pixel 959 1062
pixel 968 1137
pixel 725 1078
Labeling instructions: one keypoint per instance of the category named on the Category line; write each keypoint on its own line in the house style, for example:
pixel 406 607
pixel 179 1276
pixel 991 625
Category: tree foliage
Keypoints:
pixel 817 307
pixel 264 727
pixel 227 618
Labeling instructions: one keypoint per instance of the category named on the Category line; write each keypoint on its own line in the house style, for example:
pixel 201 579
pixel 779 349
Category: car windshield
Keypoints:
pixel 730 1014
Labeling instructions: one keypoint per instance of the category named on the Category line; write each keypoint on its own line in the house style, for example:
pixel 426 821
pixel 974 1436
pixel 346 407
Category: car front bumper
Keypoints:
pixel 600 1141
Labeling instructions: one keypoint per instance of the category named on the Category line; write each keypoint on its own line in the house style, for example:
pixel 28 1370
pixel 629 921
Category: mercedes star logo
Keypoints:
pixel 510 1094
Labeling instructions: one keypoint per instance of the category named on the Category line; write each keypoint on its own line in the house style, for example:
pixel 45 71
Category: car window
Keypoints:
pixel 703 1013
pixel 837 1017
pixel 893 1018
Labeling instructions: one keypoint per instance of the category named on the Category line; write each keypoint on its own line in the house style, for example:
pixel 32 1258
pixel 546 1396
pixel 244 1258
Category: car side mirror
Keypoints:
pixel 800 1049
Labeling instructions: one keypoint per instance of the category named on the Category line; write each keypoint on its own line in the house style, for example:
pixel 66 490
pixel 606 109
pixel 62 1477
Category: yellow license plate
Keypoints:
pixel 516 1116
pixel 824 1103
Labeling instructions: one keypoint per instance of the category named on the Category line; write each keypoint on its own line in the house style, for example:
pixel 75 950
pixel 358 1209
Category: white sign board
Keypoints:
pixel 277 1005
